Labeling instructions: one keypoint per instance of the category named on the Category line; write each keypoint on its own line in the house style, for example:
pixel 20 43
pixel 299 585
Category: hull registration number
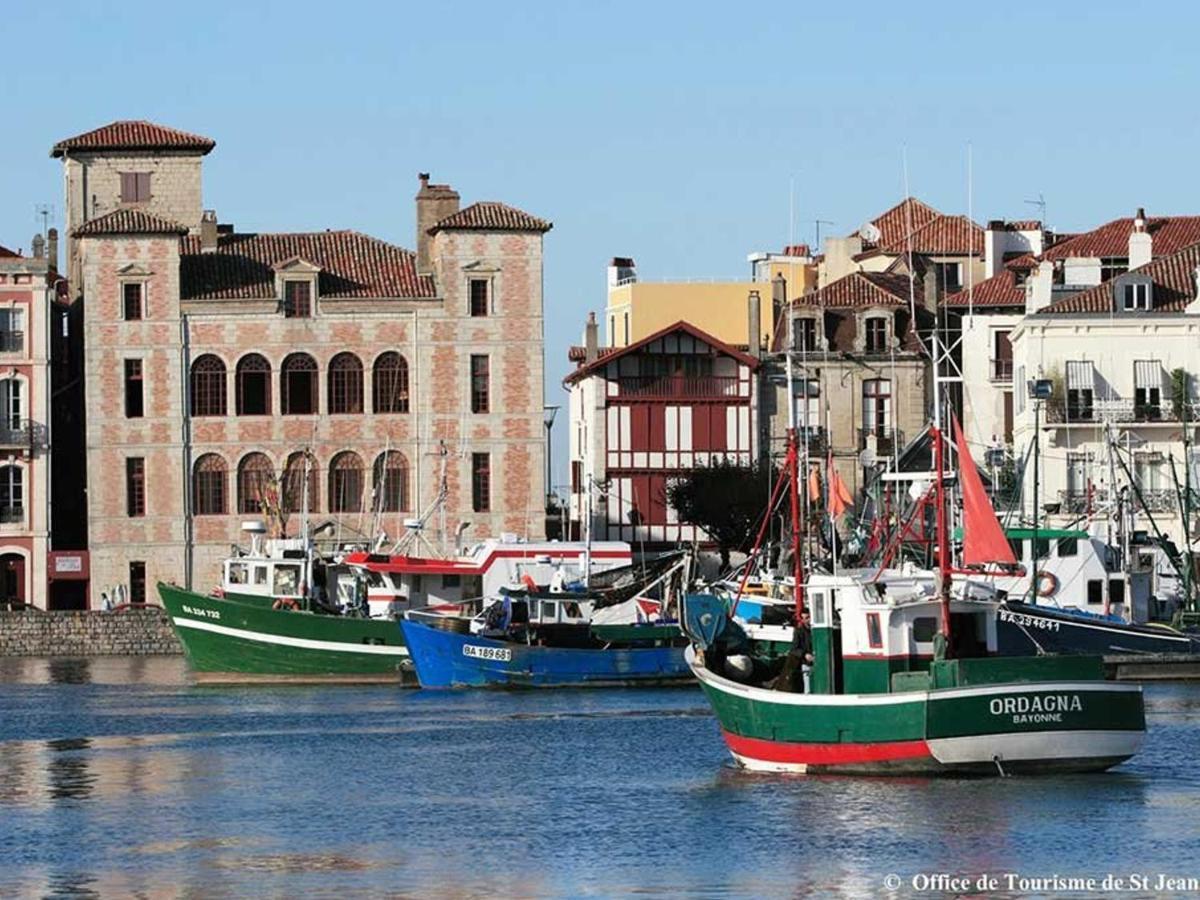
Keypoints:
pixel 498 653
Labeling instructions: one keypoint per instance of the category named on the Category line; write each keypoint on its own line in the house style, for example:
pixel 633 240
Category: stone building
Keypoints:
pixel 224 366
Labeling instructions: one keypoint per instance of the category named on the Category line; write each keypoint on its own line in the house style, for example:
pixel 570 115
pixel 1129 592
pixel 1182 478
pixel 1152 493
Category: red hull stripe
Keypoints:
pixel 824 754
pixel 417 565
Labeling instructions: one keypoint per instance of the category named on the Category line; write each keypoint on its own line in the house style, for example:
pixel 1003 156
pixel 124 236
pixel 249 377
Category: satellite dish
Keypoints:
pixel 870 233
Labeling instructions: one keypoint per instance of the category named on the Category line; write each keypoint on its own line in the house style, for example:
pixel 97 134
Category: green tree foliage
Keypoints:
pixel 726 500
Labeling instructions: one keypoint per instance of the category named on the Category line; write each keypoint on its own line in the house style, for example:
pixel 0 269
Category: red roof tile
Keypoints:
pixel 577 353
pixel 860 289
pixel 1001 289
pixel 491 216
pixel 942 234
pixel 797 250
pixel 129 221
pixel 698 333
pixel 907 215
pixel 5 252
pixel 1173 276
pixel 134 135
pixel 352 265
pixel 1169 233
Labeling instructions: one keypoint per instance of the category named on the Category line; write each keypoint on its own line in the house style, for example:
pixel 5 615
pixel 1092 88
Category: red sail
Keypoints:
pixel 983 538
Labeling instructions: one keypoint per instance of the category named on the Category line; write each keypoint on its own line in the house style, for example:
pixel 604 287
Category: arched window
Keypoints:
pixel 293 483
pixel 208 386
pixel 390 390
pixel 346 483
pixel 253 386
pixel 298 385
pixel 208 485
pixel 256 482
pixel 12 494
pixel 345 384
pixel 391 482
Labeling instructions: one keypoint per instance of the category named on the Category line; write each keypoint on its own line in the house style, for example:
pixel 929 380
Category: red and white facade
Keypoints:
pixel 26 287
pixel 643 414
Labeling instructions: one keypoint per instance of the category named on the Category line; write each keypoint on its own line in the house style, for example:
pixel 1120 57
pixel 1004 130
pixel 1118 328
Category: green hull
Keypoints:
pixel 228 641
pixel 988 727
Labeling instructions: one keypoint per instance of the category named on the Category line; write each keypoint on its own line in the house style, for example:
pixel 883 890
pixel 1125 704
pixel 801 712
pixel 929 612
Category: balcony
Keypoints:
pixel 12 515
pixel 676 387
pixel 12 341
pixel 1078 503
pixel 886 439
pixel 1117 412
pixel 1156 500
pixel 813 438
pixel 24 434
pixel 1000 371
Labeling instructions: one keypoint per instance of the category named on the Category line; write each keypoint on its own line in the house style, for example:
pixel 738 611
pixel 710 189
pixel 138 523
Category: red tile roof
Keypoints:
pixel 1173 276
pixel 860 289
pixel 1169 233
pixel 943 234
pixel 698 333
pixel 352 265
pixel 797 250
pixel 134 135
pixel 999 290
pixel 5 252
pixel 491 216
pixel 907 215
pixel 129 221
pixel 577 353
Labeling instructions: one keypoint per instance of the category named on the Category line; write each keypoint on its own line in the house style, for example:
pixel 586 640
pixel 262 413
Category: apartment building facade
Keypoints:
pixel 234 376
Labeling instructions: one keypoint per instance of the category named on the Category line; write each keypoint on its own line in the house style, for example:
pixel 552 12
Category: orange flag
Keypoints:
pixel 814 486
pixel 839 495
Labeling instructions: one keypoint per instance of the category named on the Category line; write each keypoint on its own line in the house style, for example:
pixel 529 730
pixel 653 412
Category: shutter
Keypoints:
pixel 143 186
pixel 128 187
pixel 1147 374
pixel 1080 376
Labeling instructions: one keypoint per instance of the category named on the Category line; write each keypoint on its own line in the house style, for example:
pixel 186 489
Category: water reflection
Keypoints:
pixel 69 671
pixel 68 777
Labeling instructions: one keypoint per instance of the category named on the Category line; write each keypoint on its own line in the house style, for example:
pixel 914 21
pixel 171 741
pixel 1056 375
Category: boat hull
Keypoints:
pixel 449 659
pixel 227 641
pixel 995 729
pixel 1024 629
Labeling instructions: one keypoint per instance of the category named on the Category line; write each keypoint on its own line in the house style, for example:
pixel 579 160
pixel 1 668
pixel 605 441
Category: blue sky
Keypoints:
pixel 672 133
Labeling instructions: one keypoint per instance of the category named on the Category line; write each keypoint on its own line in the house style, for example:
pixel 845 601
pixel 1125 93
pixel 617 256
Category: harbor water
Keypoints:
pixel 118 777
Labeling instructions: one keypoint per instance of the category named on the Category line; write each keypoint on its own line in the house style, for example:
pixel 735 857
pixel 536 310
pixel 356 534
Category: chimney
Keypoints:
pixel 52 249
pixel 621 270
pixel 993 247
pixel 754 324
pixel 434 203
pixel 1141 243
pixel 591 339
pixel 38 246
pixel 208 231
pixel 779 299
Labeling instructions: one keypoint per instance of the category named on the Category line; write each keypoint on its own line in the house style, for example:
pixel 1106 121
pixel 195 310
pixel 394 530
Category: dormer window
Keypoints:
pixel 949 276
pixel 1135 297
pixel 297 299
pixel 876 335
pixel 805 335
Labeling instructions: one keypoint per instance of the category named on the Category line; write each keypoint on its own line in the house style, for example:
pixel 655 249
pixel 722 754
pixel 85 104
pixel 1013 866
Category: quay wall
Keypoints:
pixel 132 632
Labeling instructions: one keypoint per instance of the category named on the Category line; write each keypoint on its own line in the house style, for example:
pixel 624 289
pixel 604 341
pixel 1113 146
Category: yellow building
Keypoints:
pixel 637 309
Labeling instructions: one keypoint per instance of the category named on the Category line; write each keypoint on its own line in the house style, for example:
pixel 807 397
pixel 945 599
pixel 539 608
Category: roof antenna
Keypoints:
pixel 818 223
pixel 1040 203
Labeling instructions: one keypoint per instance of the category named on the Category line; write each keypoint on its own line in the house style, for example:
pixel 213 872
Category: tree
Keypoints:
pixel 726 500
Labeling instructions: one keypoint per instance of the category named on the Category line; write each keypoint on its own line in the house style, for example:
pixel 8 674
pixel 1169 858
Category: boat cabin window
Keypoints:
pixel 1116 590
pixel 1042 548
pixel 571 611
pixel 239 573
pixel 374 579
pixel 1095 591
pixel 260 574
pixel 451 581
pixel 874 630
pixel 1068 546
pixel 287 580
pixel 416 584
pixel 923 629
pixel 817 608
pixel 549 612
pixel 1018 547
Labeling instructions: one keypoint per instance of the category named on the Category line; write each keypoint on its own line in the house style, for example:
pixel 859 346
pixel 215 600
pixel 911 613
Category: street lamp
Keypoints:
pixel 1039 389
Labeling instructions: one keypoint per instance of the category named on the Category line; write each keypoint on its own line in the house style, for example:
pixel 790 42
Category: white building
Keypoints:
pixel 1123 356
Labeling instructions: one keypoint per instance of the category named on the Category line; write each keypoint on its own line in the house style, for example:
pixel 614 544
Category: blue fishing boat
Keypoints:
pixel 541 642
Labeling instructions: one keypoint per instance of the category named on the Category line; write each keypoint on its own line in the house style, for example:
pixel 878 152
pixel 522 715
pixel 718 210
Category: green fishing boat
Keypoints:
pixel 230 641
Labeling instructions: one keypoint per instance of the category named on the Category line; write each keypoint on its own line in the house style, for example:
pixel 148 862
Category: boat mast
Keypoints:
pixel 943 536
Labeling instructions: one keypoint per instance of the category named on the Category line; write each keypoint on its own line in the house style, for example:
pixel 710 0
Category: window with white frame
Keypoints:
pixel 12 330
pixel 1147 390
pixel 12 493
pixel 11 407
pixel 877 406
pixel 1081 385
pixel 876 334
pixel 1135 297
pixel 808 406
